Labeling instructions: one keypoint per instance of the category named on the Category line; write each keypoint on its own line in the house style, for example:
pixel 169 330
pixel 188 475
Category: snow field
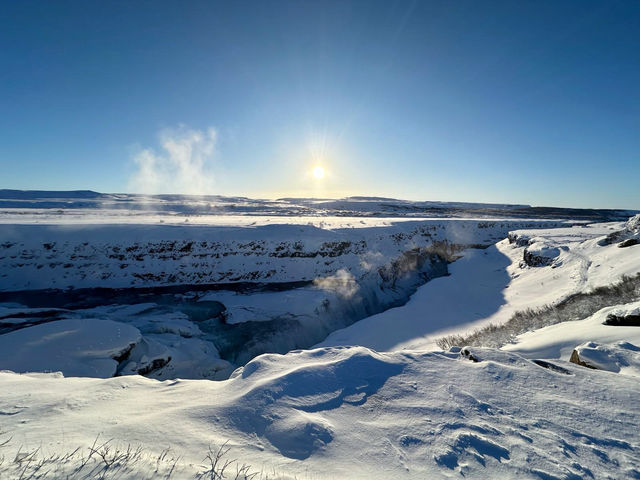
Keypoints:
pixel 353 413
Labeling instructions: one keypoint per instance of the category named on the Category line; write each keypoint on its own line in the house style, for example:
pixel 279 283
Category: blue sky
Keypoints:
pixel 492 101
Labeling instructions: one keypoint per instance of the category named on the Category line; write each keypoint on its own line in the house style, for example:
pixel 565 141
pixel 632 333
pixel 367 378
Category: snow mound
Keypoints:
pixel 170 322
pixel 77 348
pixel 307 383
pixel 621 357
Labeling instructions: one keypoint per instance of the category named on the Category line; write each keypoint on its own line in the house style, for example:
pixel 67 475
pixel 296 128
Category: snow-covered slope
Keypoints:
pixel 84 348
pixel 348 413
pixel 530 269
pixel 559 341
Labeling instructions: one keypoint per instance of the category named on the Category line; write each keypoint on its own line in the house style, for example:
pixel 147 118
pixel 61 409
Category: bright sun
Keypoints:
pixel 318 172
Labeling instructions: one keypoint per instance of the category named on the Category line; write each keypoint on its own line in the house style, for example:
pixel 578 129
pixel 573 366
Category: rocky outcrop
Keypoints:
pixel 620 357
pixel 629 320
pixel 575 358
pixel 154 365
pixel 629 242
pixel 627 237
pixel 519 240
pixel 540 257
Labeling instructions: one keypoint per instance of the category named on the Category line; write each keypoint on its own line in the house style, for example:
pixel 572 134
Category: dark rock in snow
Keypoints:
pixel 155 364
pixel 536 260
pixel 622 321
pixel 466 353
pixel 575 358
pixel 628 242
pixel 552 366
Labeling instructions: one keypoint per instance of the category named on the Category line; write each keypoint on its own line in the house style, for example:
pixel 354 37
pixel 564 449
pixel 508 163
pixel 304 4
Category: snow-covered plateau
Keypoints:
pixel 142 337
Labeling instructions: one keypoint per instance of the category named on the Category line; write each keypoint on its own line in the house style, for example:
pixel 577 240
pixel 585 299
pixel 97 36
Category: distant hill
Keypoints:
pixel 356 206
pixel 7 194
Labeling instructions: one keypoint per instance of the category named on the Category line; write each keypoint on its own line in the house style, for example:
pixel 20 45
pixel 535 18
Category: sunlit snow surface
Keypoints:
pixel 352 413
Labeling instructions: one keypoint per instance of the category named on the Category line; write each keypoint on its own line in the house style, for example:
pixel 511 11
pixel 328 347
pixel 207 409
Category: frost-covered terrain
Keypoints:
pixel 210 294
pixel 95 285
pixel 349 413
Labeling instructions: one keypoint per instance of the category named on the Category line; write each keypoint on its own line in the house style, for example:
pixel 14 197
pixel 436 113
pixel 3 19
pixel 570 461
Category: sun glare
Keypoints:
pixel 318 172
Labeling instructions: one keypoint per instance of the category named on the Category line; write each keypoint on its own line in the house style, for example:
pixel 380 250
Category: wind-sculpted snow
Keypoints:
pixel 354 413
pixel 324 382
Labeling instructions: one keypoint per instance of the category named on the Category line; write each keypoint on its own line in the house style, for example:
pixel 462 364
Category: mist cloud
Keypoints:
pixel 185 164
pixel 342 282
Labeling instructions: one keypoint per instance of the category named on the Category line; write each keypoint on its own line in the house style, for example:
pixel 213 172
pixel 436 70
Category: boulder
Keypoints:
pixel 620 357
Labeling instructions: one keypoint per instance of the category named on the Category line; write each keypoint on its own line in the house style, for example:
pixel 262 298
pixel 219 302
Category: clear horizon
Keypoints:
pixel 499 102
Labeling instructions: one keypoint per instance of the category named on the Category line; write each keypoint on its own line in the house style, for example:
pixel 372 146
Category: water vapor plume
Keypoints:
pixel 184 166
pixel 343 283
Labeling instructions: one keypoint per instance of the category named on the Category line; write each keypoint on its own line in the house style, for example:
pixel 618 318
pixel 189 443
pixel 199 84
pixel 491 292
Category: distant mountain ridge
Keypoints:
pixel 368 206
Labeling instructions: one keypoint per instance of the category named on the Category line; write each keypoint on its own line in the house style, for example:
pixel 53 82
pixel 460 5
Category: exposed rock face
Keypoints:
pixel 629 242
pixel 628 236
pixel 518 240
pixel 155 364
pixel 630 320
pixel 575 358
pixel 552 366
pixel 539 256
pixel 620 357
pixel 122 256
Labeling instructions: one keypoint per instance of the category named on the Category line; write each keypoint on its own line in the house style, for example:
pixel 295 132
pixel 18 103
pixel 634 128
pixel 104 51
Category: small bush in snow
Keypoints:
pixel 105 460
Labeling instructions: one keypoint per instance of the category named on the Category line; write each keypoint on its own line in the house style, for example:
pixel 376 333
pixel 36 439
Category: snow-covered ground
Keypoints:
pixel 230 287
pixel 349 413
pixel 397 409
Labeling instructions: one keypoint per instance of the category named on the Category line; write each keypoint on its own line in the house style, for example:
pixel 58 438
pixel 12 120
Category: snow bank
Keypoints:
pixel 633 224
pixel 77 348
